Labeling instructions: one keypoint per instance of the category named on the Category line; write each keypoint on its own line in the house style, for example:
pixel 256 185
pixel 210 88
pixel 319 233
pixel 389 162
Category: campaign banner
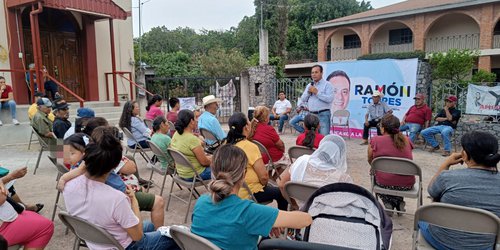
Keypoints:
pixel 483 100
pixel 355 81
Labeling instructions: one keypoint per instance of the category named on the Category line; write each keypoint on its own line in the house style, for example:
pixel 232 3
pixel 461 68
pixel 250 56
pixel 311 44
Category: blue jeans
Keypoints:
pixel 143 144
pixel 414 128
pixel 12 106
pixel 424 230
pixel 294 122
pixel 445 131
pixel 282 120
pixel 205 175
pixel 324 122
pixel 152 240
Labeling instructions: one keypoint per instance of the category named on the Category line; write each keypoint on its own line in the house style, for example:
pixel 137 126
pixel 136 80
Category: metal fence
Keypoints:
pixel 389 48
pixel 445 43
pixel 226 88
pixel 293 88
pixel 339 54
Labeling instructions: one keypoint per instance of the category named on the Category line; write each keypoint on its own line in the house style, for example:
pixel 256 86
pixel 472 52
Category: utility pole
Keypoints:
pixel 263 39
pixel 140 36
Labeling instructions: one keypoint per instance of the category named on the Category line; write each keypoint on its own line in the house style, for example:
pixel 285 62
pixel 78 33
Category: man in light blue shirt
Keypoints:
pixel 208 120
pixel 319 96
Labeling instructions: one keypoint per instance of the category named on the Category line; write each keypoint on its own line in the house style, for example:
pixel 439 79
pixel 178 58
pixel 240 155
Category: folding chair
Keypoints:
pixel 60 171
pixel 251 196
pixel 210 147
pixel 43 147
pixel 197 181
pixel 137 146
pixel 86 231
pixel 343 119
pixel 460 218
pixel 270 166
pixel 272 244
pixel 148 123
pixel 394 165
pixel 187 240
pixel 31 139
pixel 299 191
pixel 294 152
pixel 169 171
pixel 171 128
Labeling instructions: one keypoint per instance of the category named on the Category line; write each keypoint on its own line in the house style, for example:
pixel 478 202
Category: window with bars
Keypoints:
pixel 400 36
pixel 352 42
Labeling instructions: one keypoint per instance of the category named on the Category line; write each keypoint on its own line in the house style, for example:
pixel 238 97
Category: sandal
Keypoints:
pixel 39 207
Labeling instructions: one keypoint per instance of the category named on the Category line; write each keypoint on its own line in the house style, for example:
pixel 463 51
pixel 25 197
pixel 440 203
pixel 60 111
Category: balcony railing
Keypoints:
pixel 339 54
pixel 496 41
pixel 389 48
pixel 445 43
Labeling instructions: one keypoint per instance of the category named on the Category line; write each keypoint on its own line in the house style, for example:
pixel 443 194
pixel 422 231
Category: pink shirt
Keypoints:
pixel 154 112
pixel 172 116
pixel 101 205
pixel 383 146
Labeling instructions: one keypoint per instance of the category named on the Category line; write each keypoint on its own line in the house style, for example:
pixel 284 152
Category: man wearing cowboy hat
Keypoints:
pixel 447 120
pixel 376 110
pixel 208 120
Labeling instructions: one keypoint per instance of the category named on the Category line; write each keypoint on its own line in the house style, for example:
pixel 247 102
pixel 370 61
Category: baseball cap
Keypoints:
pixel 85 113
pixel 60 104
pixel 44 102
pixel 452 98
pixel 419 96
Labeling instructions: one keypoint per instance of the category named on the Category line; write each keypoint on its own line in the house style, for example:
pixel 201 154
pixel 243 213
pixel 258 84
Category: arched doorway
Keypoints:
pixel 344 44
pixel 452 31
pixel 60 38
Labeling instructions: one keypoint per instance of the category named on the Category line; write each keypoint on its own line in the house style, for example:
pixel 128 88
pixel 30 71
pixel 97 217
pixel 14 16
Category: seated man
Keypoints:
pixel 83 115
pixel 447 120
pixel 280 111
pixel 34 107
pixel 7 99
pixel 42 125
pixel 61 123
pixel 416 118
pixel 208 120
pixel 49 85
pixel 302 111
pixel 376 110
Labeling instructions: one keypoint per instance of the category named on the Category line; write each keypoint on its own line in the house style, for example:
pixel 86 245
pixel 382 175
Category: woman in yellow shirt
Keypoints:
pixel 256 176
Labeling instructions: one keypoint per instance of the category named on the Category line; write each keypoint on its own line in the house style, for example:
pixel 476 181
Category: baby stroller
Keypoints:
pixel 347 215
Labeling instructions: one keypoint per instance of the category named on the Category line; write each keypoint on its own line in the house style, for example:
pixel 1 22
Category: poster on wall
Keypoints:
pixel 355 81
pixel 483 100
pixel 187 103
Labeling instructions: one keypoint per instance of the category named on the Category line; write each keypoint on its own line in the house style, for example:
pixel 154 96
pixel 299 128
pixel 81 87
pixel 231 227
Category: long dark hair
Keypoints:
pixel 311 122
pixel 228 168
pixel 93 123
pixel 183 119
pixel 153 100
pixel 482 147
pixel 77 141
pixel 126 118
pixel 104 154
pixel 236 123
pixel 391 125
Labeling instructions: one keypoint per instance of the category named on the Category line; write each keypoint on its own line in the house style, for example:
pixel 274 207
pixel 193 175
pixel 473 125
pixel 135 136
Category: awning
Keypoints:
pixel 99 8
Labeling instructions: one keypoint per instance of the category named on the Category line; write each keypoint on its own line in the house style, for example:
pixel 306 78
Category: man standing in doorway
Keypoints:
pixel 319 96
pixel 376 110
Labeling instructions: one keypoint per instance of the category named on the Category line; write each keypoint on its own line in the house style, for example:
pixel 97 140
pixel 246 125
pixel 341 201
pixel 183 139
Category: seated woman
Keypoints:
pixel 153 107
pixel 134 124
pixel 230 222
pixel 267 136
pixel 476 186
pixel 190 146
pixel 14 175
pixel 13 225
pixel 327 165
pixel 391 143
pixel 161 138
pixel 311 137
pixel 89 198
pixel 256 176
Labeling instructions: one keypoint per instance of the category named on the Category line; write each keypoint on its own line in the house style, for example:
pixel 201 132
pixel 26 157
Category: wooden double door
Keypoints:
pixel 62 56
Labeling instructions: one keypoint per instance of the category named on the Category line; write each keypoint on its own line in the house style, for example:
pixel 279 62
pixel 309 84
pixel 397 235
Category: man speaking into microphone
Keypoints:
pixel 319 96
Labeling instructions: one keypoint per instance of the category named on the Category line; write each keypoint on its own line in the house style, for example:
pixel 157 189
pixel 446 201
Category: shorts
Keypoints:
pixel 145 200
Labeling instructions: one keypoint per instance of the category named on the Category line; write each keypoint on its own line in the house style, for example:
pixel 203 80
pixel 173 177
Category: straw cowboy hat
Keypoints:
pixel 210 99
pixel 377 93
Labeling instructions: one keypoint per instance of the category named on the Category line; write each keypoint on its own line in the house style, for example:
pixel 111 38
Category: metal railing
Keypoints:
pixel 496 41
pixel 388 48
pixel 293 88
pixel 131 84
pixel 340 54
pixel 445 43
pixel 80 99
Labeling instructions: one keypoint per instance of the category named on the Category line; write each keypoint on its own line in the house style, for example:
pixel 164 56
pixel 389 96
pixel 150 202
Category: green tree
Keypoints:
pixel 484 76
pixel 454 66
pixel 173 64
pixel 219 62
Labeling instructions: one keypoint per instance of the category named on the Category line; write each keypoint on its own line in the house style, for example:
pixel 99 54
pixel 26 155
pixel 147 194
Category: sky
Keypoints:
pixel 200 14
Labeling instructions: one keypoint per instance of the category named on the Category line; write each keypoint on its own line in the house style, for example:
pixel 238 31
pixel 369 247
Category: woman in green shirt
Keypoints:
pixel 161 138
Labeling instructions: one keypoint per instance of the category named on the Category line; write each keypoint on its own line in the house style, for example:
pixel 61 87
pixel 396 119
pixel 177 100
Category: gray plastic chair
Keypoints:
pixel 295 152
pixel 299 191
pixel 343 117
pixel 43 147
pixel 169 171
pixel 137 148
pixel 270 165
pixel 197 181
pixel 171 128
pixel 455 217
pixel 86 231
pixel 209 135
pixel 190 241
pixel 148 123
pixel 400 166
pixel 60 171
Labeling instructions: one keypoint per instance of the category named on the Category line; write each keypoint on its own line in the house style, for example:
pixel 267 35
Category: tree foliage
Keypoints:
pixel 220 63
pixel 484 76
pixel 454 66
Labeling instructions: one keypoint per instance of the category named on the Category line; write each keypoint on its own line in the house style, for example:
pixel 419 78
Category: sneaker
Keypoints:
pixel 16 122
pixel 434 149
pixel 365 142
pixel 446 153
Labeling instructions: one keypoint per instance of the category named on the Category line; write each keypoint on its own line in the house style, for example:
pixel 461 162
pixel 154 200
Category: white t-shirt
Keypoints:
pixel 281 106
pixel 100 205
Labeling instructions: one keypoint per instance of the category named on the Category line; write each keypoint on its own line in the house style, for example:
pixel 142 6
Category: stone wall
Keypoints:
pixel 424 79
pixel 261 80
pixel 466 126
